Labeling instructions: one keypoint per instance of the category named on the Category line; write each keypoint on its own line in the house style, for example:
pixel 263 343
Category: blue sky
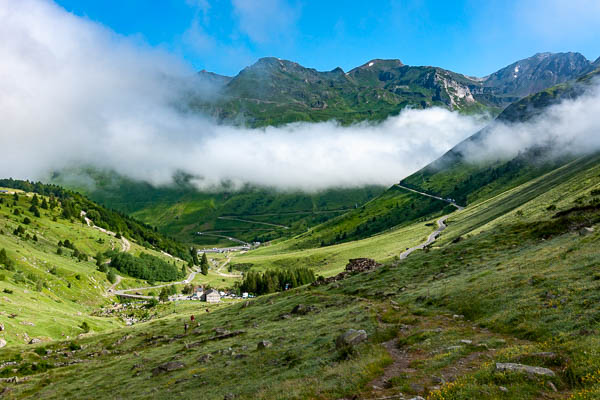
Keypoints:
pixel 467 36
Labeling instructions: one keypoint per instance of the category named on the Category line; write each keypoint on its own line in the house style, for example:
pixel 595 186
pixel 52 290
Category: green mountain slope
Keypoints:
pixel 275 91
pixel 50 283
pixel 454 176
pixel 518 288
pixel 249 214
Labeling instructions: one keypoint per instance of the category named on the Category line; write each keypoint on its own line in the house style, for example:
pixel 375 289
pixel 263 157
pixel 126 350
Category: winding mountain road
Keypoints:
pixel 253 222
pixel 125 292
pixel 440 222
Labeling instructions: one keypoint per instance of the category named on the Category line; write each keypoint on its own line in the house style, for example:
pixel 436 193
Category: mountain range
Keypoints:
pixel 274 91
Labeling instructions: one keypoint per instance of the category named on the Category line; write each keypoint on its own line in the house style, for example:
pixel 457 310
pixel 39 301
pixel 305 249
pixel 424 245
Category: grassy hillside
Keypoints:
pixel 455 176
pixel 251 214
pixel 518 286
pixel 50 283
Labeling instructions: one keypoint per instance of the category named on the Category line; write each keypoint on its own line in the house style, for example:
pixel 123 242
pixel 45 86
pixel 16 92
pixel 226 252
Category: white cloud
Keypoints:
pixel 265 21
pixel 558 19
pixel 570 127
pixel 73 93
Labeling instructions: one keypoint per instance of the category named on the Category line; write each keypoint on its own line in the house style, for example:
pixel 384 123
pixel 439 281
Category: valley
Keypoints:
pixel 389 230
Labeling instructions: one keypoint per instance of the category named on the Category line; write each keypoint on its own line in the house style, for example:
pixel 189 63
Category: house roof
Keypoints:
pixel 212 291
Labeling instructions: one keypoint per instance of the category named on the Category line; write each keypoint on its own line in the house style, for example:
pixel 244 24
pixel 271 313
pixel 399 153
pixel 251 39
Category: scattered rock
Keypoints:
pixel 168 367
pixel 511 367
pixel 229 396
pixel 351 337
pixel 221 331
pixel 205 358
pixel 27 323
pixel 263 344
pixel 2 343
pixel 466 341
pixel 503 389
pixel 301 309
pixel 417 398
pixel 35 341
pixel 354 266
pixel 586 230
pixel 457 316
pixel 1 327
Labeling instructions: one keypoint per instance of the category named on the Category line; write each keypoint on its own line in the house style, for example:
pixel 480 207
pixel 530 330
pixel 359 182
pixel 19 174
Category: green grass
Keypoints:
pixel 331 260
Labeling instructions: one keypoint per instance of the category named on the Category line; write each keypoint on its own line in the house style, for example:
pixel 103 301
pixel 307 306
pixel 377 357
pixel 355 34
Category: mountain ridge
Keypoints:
pixel 274 91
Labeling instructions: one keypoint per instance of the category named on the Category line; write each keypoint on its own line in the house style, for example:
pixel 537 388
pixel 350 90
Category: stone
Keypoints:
pixel 168 367
pixel 529 370
pixel 457 316
pixel 552 387
pixel 301 309
pixel 1 327
pixel 466 341
pixel 417 398
pixel 205 358
pixel 35 341
pixel 2 343
pixel 221 331
pixel 503 389
pixel 263 344
pixel 351 337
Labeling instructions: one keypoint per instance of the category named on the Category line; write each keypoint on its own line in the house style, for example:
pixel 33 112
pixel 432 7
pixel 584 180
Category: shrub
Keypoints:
pixel 85 327
pixel 111 276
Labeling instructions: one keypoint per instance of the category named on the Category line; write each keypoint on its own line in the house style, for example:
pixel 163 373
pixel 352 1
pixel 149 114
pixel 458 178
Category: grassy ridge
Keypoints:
pixel 525 296
pixel 182 210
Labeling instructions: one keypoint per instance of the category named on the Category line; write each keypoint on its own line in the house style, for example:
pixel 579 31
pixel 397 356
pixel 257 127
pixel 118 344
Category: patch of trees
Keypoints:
pixel 276 280
pixel 146 266
pixel 5 261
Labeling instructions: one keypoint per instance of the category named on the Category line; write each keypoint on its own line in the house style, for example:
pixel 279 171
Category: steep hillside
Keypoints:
pixel 249 214
pixel 519 289
pixel 455 176
pixel 53 277
pixel 275 91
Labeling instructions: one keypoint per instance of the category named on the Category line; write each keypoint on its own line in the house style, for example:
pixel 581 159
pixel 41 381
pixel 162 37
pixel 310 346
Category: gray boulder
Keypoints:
pixel 35 341
pixel 529 370
pixel 351 337
pixel 2 343
pixel 168 367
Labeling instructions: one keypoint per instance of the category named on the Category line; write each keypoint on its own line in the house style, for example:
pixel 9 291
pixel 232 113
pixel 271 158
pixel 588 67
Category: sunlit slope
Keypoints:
pixel 457 176
pixel 181 210
pixel 521 284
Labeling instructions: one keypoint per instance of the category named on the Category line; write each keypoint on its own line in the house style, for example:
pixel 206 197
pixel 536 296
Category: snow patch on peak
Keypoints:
pixel 371 64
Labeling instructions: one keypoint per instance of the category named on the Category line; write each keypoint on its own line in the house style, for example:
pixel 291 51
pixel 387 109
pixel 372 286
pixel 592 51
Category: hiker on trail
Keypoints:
pixel 192 318
pixel 185 327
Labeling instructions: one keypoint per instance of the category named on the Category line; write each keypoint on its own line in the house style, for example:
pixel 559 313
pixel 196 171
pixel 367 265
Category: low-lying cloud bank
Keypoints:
pixel 73 93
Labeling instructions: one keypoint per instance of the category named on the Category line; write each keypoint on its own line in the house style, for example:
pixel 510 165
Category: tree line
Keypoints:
pixel 145 266
pixel 271 281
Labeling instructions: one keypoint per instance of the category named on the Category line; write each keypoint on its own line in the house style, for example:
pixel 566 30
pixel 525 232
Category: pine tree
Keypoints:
pixel 204 264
